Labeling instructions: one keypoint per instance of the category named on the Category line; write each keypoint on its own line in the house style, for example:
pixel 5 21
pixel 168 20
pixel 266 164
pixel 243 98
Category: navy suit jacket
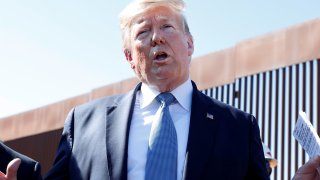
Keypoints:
pixel 223 142
pixel 28 169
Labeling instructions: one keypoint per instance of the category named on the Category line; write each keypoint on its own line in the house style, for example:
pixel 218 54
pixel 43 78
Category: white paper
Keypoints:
pixel 306 135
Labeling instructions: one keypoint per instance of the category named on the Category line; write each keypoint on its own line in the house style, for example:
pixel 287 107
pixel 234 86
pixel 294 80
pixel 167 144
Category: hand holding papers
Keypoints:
pixel 306 135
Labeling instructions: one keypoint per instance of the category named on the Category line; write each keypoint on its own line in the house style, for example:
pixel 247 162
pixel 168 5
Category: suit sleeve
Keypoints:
pixel 28 169
pixel 37 171
pixel 257 165
pixel 60 168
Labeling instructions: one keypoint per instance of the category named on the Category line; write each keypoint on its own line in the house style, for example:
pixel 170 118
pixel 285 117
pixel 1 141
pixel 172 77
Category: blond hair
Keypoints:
pixel 137 7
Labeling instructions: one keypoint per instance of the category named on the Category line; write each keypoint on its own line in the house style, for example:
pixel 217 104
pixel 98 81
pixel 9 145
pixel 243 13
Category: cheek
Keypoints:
pixel 140 61
pixel 180 44
pixel 141 53
pixel 139 48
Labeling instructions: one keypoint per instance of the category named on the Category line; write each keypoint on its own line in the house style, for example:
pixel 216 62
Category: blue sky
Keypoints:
pixel 53 50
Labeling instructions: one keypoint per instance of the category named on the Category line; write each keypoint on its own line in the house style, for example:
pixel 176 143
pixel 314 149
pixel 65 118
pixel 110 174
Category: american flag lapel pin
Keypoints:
pixel 210 116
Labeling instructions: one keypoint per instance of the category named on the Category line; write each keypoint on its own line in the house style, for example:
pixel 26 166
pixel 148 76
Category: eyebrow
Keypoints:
pixel 140 20
pixel 159 17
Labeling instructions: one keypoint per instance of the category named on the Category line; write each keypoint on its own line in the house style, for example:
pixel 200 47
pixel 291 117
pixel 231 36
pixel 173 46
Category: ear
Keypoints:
pixel 190 44
pixel 128 55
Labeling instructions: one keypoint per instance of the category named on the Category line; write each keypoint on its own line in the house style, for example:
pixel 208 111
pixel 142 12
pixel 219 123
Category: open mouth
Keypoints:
pixel 160 56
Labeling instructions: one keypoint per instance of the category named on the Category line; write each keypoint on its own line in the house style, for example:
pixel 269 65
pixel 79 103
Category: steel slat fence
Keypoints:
pixel 275 99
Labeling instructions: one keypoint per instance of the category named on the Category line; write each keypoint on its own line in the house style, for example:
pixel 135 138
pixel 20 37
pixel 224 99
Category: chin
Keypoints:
pixel 165 74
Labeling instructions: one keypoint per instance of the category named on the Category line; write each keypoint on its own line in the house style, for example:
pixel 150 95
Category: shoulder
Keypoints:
pixel 94 111
pixel 222 109
pixel 104 101
pixel 100 104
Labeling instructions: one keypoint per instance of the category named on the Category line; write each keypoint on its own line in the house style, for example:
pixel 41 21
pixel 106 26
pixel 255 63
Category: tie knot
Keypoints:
pixel 165 98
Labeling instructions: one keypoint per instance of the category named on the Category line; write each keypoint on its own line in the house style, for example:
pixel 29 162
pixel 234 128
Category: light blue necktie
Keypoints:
pixel 163 149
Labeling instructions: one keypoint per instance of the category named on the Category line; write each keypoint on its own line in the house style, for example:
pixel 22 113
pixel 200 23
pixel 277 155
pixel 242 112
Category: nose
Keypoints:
pixel 157 38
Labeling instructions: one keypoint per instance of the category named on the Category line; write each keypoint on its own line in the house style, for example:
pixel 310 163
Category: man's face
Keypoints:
pixel 159 50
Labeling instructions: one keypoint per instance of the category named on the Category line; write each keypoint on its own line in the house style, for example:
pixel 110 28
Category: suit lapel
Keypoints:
pixel 118 119
pixel 201 138
pixel 200 141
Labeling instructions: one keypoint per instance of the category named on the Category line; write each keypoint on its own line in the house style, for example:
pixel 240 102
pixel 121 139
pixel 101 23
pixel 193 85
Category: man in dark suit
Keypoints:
pixel 112 138
pixel 28 168
pixel 95 141
pixel 109 138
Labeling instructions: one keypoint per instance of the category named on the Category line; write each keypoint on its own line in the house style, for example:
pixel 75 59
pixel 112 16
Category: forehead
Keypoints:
pixel 157 13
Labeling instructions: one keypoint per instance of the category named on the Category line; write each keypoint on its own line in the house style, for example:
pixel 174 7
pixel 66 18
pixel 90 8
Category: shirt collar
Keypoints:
pixel 182 93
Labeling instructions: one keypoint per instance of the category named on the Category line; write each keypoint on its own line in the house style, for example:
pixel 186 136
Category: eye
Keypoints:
pixel 141 33
pixel 167 26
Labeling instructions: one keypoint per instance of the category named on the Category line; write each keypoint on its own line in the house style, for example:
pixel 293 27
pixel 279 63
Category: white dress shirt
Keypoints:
pixel 146 110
